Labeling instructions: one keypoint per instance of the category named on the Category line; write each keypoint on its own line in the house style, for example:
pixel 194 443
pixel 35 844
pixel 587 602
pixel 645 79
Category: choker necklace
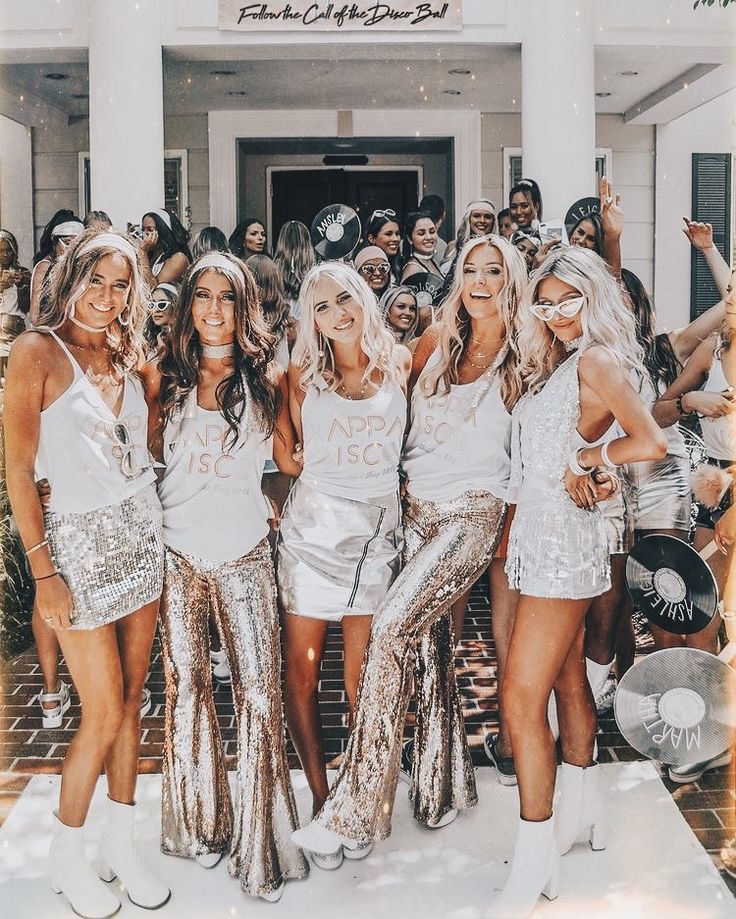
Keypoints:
pixel 424 258
pixel 216 351
pixel 573 345
pixel 82 325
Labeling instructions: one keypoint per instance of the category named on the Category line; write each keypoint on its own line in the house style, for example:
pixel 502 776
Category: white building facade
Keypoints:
pixel 127 105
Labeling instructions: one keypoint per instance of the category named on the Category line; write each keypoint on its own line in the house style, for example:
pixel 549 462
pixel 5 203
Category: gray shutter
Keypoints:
pixel 711 204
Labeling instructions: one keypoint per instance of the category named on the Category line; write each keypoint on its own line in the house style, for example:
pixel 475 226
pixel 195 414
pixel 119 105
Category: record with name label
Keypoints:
pixel 677 706
pixel 671 584
pixel 582 208
pixel 426 286
pixel 335 232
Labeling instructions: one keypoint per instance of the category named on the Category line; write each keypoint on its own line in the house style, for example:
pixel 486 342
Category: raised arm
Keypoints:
pixel 612 221
pixel 701 237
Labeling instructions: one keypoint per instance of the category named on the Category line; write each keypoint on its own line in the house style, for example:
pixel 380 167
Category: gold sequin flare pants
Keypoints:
pixel 198 815
pixel 448 545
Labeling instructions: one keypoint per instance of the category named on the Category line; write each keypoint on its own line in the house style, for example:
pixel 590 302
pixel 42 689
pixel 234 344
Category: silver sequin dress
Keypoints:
pixel 556 549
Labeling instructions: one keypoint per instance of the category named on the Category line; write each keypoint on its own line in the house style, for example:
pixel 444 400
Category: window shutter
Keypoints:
pixel 711 203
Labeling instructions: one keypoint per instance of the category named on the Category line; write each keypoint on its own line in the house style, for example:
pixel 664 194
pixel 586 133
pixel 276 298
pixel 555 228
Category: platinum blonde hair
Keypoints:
pixel 606 317
pixel 313 352
pixel 455 325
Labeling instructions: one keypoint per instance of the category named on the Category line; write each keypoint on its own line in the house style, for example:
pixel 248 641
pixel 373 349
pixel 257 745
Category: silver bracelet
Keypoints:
pixel 607 461
pixel 574 464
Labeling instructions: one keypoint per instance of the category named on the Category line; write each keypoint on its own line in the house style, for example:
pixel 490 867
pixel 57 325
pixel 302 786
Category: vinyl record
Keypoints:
pixel 427 287
pixel 582 208
pixel 335 232
pixel 677 706
pixel 671 584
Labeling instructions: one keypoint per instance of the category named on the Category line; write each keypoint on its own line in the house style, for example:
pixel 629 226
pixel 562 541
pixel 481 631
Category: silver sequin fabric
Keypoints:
pixel 198 814
pixel 337 556
pixel 556 549
pixel 660 494
pixel 448 544
pixel 111 558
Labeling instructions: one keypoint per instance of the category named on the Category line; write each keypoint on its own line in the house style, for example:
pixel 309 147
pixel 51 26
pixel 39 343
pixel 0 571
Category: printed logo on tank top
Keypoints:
pixel 208 451
pixel 439 419
pixel 348 437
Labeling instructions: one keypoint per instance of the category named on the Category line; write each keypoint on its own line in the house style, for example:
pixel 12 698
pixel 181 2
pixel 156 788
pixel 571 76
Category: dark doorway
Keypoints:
pixel 300 194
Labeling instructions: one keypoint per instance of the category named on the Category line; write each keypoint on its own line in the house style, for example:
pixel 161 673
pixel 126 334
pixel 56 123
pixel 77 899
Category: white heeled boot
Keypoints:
pixel 597 675
pixel 535 870
pixel 118 857
pixel 71 874
pixel 580 807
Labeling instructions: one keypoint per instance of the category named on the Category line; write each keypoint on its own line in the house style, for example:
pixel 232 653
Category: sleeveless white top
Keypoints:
pixel 451 449
pixel 214 508
pixel 352 447
pixel 719 434
pixel 675 439
pixel 9 302
pixel 91 457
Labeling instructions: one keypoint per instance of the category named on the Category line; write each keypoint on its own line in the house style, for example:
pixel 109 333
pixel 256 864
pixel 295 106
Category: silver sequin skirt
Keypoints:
pixel 111 558
pixel 558 550
pixel 660 494
pixel 337 557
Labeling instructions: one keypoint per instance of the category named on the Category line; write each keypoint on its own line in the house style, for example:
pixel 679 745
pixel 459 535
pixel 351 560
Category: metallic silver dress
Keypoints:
pixel 556 549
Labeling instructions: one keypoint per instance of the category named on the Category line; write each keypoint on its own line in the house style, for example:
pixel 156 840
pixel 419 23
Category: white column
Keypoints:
pixel 126 115
pixel 558 101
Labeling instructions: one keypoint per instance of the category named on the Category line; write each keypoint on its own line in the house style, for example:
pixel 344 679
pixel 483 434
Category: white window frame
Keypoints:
pixel 180 154
pixel 270 170
pixel 606 153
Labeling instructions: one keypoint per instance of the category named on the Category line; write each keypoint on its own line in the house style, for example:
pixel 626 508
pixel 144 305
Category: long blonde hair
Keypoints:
pixel 605 317
pixel 313 352
pixel 455 326
pixel 70 275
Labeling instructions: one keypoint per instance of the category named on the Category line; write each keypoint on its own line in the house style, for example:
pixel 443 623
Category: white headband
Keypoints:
pixel 70 228
pixel 482 204
pixel 214 260
pixel 110 241
pixel 169 288
pixel 165 216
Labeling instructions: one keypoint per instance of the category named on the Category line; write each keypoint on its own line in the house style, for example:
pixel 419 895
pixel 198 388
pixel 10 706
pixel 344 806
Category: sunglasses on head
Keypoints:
pixel 387 213
pixel 567 309
pixel 370 270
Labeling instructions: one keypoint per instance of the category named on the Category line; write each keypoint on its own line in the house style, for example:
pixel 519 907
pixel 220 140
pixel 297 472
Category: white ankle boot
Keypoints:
pixel 71 874
pixel 580 807
pixel 597 675
pixel 535 870
pixel 118 857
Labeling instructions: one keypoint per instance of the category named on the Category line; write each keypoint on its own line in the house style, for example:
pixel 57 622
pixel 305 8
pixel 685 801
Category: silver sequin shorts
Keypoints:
pixel 558 550
pixel 337 557
pixel 618 523
pixel 111 558
pixel 660 494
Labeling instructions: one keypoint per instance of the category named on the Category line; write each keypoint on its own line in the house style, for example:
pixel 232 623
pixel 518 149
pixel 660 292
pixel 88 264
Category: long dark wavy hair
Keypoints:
pixel 47 242
pixel 659 356
pixel 252 375
pixel 172 239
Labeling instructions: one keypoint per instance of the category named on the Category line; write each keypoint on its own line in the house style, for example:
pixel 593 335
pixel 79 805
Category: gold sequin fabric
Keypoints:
pixel 448 544
pixel 198 815
pixel 556 549
pixel 111 558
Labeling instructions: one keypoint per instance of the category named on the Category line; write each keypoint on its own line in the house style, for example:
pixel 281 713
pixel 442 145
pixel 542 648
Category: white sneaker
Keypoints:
pixel 220 667
pixel 691 772
pixel 145 701
pixel 359 852
pixel 328 861
pixel 604 700
pixel 53 717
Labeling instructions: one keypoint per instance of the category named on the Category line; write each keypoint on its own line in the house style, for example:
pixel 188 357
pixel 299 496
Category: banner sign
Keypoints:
pixel 338 16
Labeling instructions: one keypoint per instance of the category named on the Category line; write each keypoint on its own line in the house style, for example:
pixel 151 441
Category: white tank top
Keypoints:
pixel 719 434
pixel 91 457
pixel 214 508
pixel 9 302
pixel 675 438
pixel 352 447
pixel 451 449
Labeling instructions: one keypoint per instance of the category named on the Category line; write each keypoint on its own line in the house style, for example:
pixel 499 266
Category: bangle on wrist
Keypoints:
pixel 45 577
pixel 681 410
pixel 605 458
pixel 39 545
pixel 576 466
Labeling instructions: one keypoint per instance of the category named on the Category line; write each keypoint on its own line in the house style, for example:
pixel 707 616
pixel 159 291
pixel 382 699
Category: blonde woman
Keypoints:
pixel 340 539
pixel 578 355
pixel 75 414
pixel 457 463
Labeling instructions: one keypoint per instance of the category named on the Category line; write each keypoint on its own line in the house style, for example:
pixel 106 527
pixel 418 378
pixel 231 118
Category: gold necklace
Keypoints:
pixel 347 395
pixel 478 366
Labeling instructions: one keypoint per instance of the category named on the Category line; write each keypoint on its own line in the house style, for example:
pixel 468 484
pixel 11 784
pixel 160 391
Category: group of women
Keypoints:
pixel 505 420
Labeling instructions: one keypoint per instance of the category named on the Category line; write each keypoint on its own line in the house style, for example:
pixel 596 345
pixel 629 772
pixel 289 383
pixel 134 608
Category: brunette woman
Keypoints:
pixel 340 538
pixel 418 246
pixel 248 238
pixel 58 233
pixel 209 239
pixel 161 308
pixel 75 414
pixel 164 248
pixel 577 351
pixel 222 404
pixel 525 204
pixel 15 293
pixel 457 464
pixel 384 230
pixel 295 256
